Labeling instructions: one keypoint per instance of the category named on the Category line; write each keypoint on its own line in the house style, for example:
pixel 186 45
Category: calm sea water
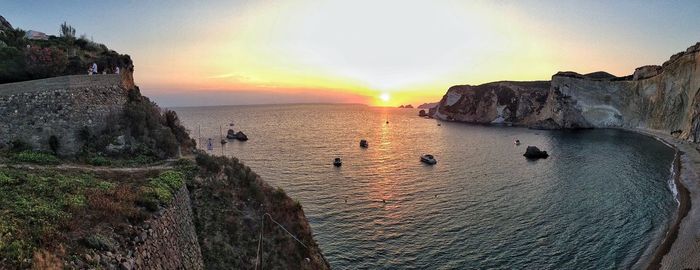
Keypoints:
pixel 599 202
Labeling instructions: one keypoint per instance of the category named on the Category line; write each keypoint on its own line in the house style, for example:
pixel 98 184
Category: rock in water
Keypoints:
pixel 241 136
pixel 230 134
pixel 535 153
pixel 422 113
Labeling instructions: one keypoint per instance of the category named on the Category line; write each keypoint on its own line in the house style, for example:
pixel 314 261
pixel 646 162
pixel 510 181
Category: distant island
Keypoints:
pixel 95 175
pixel 409 106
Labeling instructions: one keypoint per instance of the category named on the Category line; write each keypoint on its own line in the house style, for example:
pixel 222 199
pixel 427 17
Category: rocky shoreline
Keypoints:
pixel 679 248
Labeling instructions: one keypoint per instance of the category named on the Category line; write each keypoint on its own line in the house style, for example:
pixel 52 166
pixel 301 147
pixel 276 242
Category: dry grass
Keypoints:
pixel 47 260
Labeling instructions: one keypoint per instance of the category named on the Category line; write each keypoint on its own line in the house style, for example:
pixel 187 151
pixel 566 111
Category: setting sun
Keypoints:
pixel 334 134
pixel 384 97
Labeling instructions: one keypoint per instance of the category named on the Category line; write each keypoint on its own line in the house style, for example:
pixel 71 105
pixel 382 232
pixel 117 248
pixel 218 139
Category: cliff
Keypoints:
pixel 427 105
pixel 655 97
pixel 242 222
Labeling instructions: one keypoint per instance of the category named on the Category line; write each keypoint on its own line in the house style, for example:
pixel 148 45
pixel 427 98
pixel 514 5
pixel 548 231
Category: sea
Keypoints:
pixel 602 200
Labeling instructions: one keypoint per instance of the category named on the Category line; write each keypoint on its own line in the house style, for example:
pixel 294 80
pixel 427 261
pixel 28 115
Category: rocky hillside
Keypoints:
pixel 242 221
pixel 657 97
pixel 89 181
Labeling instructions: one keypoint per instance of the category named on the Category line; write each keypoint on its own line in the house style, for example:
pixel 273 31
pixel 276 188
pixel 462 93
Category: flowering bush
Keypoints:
pixel 45 62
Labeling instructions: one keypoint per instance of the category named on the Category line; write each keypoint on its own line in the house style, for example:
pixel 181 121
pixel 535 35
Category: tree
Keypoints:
pixel 67 31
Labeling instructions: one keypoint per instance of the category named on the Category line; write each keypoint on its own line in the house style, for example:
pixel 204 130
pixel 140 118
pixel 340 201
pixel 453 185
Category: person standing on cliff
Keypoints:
pixel 116 70
pixel 94 68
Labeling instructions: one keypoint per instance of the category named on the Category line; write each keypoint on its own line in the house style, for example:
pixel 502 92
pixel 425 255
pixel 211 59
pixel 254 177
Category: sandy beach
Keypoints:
pixel 680 248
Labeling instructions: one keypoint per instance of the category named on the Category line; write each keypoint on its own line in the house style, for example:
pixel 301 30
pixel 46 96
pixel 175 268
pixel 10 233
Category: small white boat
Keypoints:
pixel 428 159
pixel 364 143
pixel 337 162
pixel 516 142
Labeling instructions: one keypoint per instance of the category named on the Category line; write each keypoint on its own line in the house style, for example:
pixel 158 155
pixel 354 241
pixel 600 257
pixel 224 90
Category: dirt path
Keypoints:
pixel 87 168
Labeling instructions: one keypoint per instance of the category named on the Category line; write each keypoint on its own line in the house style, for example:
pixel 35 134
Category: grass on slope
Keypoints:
pixel 56 214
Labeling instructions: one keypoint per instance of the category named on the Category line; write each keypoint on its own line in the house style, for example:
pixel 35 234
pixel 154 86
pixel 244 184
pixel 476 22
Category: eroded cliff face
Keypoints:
pixel 655 97
pixel 497 102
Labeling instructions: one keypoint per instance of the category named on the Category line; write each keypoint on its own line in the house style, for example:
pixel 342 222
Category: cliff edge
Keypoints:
pixel 91 179
pixel 661 97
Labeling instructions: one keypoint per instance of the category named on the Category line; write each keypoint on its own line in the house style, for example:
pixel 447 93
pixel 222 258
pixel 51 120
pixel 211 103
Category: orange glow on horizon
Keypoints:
pixel 322 47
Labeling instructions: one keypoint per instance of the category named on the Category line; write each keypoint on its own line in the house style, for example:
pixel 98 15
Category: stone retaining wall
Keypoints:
pixel 33 111
pixel 170 242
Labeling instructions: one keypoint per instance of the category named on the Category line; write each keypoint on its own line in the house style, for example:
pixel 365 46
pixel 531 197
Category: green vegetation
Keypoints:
pixel 36 158
pixel 160 190
pixel 50 210
pixel 228 199
pixel 24 59
pixel 33 207
pixel 150 135
pixel 188 169
pixel 99 161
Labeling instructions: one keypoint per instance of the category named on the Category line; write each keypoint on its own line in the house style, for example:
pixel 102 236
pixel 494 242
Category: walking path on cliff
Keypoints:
pixel 167 165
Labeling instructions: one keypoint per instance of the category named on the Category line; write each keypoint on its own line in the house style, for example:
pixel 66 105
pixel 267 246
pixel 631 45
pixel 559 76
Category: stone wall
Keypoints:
pixel 170 242
pixel 33 111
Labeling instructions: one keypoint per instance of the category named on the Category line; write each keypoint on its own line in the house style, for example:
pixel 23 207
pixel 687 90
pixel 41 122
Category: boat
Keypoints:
pixel 363 143
pixel 516 142
pixel 428 159
pixel 221 135
pixel 337 162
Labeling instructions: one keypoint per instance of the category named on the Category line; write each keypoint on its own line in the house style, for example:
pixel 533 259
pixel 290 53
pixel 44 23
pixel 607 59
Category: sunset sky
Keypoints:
pixel 190 53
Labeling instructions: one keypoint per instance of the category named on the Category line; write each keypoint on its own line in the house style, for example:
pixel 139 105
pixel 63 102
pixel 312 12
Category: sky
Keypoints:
pixel 201 53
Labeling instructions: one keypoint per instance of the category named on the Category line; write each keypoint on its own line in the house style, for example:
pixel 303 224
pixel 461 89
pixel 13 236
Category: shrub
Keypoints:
pixel 279 194
pixel 99 242
pixel 75 200
pixel 160 190
pixel 104 185
pixel 208 162
pixel 187 168
pixel 255 192
pixel 140 160
pixel 99 161
pixel 36 158
pixel 19 146
pixel 45 62
pixel 5 180
pixel 12 65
